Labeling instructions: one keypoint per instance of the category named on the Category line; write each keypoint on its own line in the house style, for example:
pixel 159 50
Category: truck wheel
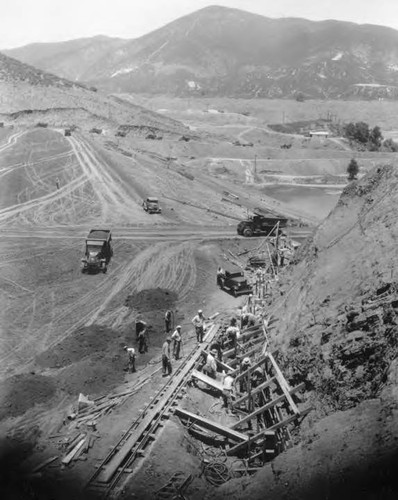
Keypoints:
pixel 247 232
pixel 235 292
pixel 104 270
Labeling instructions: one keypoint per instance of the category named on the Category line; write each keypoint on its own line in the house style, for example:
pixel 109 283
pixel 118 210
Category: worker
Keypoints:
pixel 248 319
pixel 166 359
pixel 143 341
pixel 139 326
pixel 199 323
pixel 131 358
pixel 177 339
pixel 228 382
pixel 216 346
pixel 220 277
pixel 210 367
pixel 233 333
pixel 245 365
pixel 167 321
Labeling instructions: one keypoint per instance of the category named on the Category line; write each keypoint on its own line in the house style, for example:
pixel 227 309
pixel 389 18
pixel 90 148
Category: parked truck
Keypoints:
pixel 260 225
pixel 151 205
pixel 98 251
pixel 235 283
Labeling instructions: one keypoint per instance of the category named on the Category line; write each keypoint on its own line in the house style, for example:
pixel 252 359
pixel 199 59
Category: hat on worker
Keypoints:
pixel 178 327
pixel 125 347
pixel 246 361
pixel 200 311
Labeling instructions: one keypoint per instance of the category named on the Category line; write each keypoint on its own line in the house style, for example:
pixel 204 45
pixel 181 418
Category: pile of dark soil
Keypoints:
pixel 84 342
pixel 94 375
pixel 21 392
pixel 152 299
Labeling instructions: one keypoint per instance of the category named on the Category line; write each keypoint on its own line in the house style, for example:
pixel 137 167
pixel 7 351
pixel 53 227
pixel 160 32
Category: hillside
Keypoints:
pixel 336 330
pixel 222 51
pixel 30 95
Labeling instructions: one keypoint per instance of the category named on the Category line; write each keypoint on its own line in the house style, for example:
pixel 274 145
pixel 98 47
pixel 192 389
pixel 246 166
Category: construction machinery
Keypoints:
pixel 98 251
pixel 260 225
pixel 151 205
pixel 235 283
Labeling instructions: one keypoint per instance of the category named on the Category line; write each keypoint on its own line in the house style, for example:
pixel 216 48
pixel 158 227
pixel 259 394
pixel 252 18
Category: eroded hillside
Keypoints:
pixel 335 328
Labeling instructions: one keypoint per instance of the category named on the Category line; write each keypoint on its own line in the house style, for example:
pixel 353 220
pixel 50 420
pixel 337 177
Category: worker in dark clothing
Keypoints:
pixel 131 358
pixel 166 357
pixel 167 321
pixel 220 277
pixel 142 341
pixel 139 326
pixel 215 346
pixel 248 319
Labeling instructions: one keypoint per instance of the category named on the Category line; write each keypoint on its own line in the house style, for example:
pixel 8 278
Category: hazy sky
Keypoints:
pixel 27 21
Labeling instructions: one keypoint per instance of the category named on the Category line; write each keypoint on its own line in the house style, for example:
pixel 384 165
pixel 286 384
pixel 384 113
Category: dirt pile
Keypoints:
pixel 21 392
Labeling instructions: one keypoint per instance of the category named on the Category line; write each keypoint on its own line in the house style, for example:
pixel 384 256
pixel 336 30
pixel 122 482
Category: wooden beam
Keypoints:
pixel 212 426
pixel 264 408
pixel 278 370
pixel 267 406
pixel 287 421
pixel 246 354
pixel 255 391
pixel 288 396
pixel 222 365
pixel 215 384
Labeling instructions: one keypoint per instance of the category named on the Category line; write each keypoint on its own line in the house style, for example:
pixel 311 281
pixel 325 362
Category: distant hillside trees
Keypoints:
pixel 365 137
pixel 352 169
pixel 390 145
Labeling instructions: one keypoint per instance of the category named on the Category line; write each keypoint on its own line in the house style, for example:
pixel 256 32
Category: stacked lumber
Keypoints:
pixel 78 446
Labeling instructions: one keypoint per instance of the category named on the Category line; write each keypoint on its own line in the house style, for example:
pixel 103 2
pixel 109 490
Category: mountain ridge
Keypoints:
pixel 219 51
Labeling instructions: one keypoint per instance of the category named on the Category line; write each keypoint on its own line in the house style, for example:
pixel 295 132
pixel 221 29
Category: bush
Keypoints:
pixel 361 133
pixel 352 169
pixel 390 145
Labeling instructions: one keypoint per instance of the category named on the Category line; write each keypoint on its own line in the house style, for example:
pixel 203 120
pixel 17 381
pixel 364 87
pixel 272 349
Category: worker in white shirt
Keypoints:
pixel 210 368
pixel 176 338
pixel 228 382
pixel 199 323
pixel 131 358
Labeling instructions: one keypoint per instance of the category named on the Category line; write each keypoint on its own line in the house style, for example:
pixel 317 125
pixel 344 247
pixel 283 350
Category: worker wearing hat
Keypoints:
pixel 245 365
pixel 199 323
pixel 177 339
pixel 131 358
pixel 166 358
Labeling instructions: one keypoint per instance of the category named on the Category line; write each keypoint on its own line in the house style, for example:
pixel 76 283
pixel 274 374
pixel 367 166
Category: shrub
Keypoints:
pixel 352 169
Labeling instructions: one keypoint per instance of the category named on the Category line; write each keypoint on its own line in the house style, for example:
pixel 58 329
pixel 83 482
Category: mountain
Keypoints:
pixel 223 51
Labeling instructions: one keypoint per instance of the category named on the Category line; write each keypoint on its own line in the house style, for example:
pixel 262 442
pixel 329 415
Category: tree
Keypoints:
pixel 375 139
pixel 352 169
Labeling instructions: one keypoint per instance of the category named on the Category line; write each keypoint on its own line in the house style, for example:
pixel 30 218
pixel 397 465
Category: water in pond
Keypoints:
pixel 315 201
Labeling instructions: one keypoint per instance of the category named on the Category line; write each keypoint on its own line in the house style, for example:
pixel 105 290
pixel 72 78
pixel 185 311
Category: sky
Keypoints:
pixel 29 21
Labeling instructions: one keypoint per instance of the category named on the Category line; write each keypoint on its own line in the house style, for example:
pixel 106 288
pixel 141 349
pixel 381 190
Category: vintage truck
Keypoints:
pixel 235 283
pixel 260 225
pixel 151 205
pixel 98 251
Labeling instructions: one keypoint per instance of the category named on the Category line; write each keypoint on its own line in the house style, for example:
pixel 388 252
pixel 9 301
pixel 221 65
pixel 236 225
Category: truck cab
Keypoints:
pixel 259 225
pixel 151 205
pixel 98 251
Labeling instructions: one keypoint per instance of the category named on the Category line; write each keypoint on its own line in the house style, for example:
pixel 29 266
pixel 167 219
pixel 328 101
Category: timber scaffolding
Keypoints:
pixel 263 413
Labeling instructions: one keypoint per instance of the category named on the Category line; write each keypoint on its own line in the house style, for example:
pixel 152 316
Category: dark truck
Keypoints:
pixel 151 205
pixel 260 225
pixel 235 283
pixel 98 251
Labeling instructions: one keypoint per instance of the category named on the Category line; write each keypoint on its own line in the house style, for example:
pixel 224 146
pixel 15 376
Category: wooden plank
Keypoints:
pixel 212 426
pixel 273 428
pixel 216 384
pixel 43 464
pixel 264 408
pixel 67 459
pixel 117 459
pixel 288 396
pixel 222 365
pixel 255 391
pixel 278 370
pixel 248 353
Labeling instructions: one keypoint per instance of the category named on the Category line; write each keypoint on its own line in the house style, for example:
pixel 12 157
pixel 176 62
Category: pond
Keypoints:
pixel 315 201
